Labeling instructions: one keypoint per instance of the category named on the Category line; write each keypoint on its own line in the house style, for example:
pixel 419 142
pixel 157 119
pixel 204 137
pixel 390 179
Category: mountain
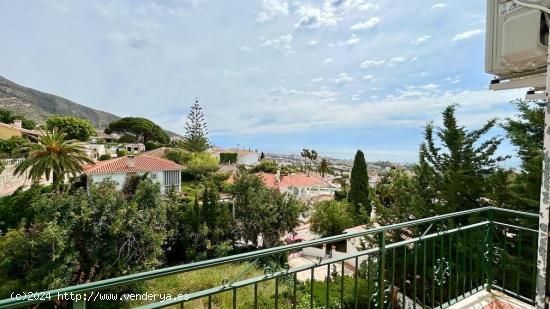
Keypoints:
pixel 38 106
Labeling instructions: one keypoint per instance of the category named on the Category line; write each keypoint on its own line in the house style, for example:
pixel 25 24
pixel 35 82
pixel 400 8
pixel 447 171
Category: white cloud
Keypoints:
pixel 330 12
pixel 284 42
pixel 372 63
pixel 439 6
pixel 312 42
pixel 430 86
pixel 270 9
pixel 369 78
pixel 342 78
pixel 351 41
pixel 317 80
pixel 420 40
pixel 294 110
pixel 328 60
pixel 396 60
pixel 369 24
pixel 315 17
pixel 467 34
pixel 245 48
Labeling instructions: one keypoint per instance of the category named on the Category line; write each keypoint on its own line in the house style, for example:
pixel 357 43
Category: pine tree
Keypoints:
pixel 359 185
pixel 195 139
pixel 454 170
pixel 527 133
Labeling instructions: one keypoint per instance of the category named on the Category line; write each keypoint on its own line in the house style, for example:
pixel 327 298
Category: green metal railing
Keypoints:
pixel 442 260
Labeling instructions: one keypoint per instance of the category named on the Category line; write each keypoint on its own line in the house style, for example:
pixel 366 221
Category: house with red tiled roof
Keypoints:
pixel 301 186
pixel 165 172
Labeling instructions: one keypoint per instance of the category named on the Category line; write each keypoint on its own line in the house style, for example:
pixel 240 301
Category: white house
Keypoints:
pixel 165 172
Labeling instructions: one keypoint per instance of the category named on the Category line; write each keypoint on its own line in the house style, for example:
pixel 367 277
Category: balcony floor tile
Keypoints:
pixel 490 300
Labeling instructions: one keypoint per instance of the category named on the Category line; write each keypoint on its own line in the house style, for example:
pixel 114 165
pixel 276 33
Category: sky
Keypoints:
pixel 272 75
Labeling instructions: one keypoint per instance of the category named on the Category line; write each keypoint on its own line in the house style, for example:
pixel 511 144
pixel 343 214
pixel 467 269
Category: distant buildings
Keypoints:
pixel 301 186
pixel 165 172
pixel 244 157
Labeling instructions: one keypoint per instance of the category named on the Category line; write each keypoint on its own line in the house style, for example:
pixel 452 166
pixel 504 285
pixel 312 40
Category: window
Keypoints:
pixel 172 179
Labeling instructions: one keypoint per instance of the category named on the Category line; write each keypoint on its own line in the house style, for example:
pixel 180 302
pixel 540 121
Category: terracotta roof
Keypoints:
pixel 22 130
pixel 142 163
pixel 159 152
pixel 294 180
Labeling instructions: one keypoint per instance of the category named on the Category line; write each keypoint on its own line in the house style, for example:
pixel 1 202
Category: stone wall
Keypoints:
pixel 8 182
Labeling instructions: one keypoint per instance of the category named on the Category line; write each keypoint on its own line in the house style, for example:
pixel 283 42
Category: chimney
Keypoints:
pixel 130 161
pixel 278 176
pixel 17 123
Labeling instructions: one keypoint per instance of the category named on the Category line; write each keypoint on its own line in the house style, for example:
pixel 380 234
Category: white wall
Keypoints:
pixel 120 178
pixel 248 159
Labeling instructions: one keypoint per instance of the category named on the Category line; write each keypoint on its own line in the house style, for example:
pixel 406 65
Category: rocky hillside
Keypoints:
pixel 38 106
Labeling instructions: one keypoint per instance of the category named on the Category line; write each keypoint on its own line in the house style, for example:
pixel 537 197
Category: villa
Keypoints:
pixel 165 172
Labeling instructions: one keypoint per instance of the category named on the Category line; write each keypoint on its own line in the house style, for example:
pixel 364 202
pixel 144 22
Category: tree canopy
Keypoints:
pixel 359 184
pixel 263 211
pixel 452 170
pixel 74 127
pixel 331 218
pixel 142 129
pixel 6 116
pixel 526 132
pixel 79 237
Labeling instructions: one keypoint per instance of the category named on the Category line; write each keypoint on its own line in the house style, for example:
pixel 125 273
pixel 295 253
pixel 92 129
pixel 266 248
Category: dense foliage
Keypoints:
pixel 453 170
pixel 6 116
pixel 526 132
pixel 359 185
pixel 331 218
pixel 11 147
pixel 79 237
pixel 141 129
pixel 228 157
pixel 263 211
pixel 74 128
pixel 179 156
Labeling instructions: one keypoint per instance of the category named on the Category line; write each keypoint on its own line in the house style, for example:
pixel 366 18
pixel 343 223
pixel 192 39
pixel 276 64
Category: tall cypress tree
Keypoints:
pixel 454 169
pixel 359 184
pixel 195 139
pixel 527 133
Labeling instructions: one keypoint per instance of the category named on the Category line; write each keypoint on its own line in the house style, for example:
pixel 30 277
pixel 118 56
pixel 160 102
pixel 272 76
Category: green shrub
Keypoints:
pixel 121 153
pixel 151 145
pixel 104 157
pixel 178 156
pixel 228 157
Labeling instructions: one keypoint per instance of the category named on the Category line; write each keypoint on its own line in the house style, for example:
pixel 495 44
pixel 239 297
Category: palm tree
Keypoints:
pixel 323 167
pixel 312 157
pixel 306 153
pixel 52 155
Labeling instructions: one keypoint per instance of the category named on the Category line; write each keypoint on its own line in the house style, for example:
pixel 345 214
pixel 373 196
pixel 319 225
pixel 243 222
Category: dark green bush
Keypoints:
pixel 104 157
pixel 228 157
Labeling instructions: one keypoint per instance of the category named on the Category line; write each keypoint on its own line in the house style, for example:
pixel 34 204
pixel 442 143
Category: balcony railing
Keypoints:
pixel 431 262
